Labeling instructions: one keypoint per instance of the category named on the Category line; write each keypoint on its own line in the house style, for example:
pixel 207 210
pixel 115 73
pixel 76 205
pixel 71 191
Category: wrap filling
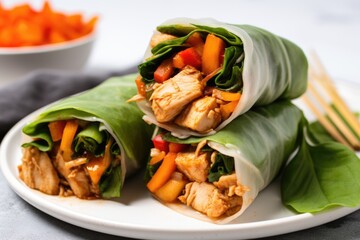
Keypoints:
pixel 195 175
pixel 82 160
pixel 193 79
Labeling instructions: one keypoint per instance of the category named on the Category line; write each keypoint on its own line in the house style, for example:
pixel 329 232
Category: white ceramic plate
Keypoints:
pixel 136 214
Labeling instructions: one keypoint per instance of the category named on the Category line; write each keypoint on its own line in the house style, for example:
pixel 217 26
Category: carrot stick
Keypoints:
pixel 227 109
pixel 97 166
pixel 226 96
pixel 213 48
pixel 56 130
pixel 164 71
pixel 140 86
pixel 67 138
pixel 164 172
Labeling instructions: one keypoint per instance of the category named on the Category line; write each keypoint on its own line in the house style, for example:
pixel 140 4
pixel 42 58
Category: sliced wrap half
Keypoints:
pixel 216 178
pixel 193 84
pixel 86 144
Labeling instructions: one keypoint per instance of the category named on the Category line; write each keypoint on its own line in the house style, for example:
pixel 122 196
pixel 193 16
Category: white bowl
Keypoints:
pixel 70 56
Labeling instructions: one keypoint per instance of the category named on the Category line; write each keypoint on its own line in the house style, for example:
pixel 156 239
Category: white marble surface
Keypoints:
pixel 330 27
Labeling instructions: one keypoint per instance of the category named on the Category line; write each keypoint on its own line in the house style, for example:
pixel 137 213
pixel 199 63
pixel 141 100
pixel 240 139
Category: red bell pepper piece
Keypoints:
pixel 160 143
pixel 164 71
pixel 190 57
pixel 177 147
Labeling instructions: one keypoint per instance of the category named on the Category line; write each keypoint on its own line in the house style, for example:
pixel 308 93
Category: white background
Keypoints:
pixel 330 27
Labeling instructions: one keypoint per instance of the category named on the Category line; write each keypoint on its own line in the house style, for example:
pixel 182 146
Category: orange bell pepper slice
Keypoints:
pixel 213 49
pixel 163 174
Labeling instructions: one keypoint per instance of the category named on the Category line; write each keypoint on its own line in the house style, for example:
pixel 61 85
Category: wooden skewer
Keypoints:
pixel 338 122
pixel 334 124
pixel 325 122
pixel 325 80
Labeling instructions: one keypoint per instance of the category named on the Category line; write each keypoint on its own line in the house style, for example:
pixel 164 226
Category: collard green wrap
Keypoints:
pixel 105 104
pixel 264 68
pixel 260 141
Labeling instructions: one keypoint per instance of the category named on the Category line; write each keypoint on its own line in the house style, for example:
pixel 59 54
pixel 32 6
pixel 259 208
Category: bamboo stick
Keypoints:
pixel 325 122
pixel 335 118
pixel 324 79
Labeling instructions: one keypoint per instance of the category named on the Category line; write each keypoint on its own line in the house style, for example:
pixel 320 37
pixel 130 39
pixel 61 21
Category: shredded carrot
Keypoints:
pixel 163 174
pixel 213 49
pixel 69 132
pixel 226 96
pixel 22 25
pixel 56 129
pixel 227 109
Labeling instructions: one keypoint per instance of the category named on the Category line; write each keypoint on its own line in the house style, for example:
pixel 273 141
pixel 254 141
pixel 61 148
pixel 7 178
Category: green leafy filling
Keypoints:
pixel 223 165
pixel 90 140
pixel 229 78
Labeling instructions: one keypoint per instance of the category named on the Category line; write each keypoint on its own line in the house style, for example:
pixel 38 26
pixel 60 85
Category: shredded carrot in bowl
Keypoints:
pixel 23 25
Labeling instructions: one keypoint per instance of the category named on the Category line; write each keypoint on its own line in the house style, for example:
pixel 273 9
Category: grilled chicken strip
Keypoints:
pixel 171 97
pixel 195 168
pixel 229 184
pixel 77 178
pixel 201 115
pixel 206 198
pixel 38 172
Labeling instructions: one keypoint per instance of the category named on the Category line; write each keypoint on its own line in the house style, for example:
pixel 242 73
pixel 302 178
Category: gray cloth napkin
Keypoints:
pixel 43 87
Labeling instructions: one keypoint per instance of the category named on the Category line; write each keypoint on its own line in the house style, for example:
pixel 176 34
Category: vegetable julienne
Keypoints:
pixel 199 59
pixel 186 168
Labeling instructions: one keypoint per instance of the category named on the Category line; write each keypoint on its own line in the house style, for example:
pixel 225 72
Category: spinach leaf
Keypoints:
pixel 110 183
pixel 223 165
pixel 321 176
